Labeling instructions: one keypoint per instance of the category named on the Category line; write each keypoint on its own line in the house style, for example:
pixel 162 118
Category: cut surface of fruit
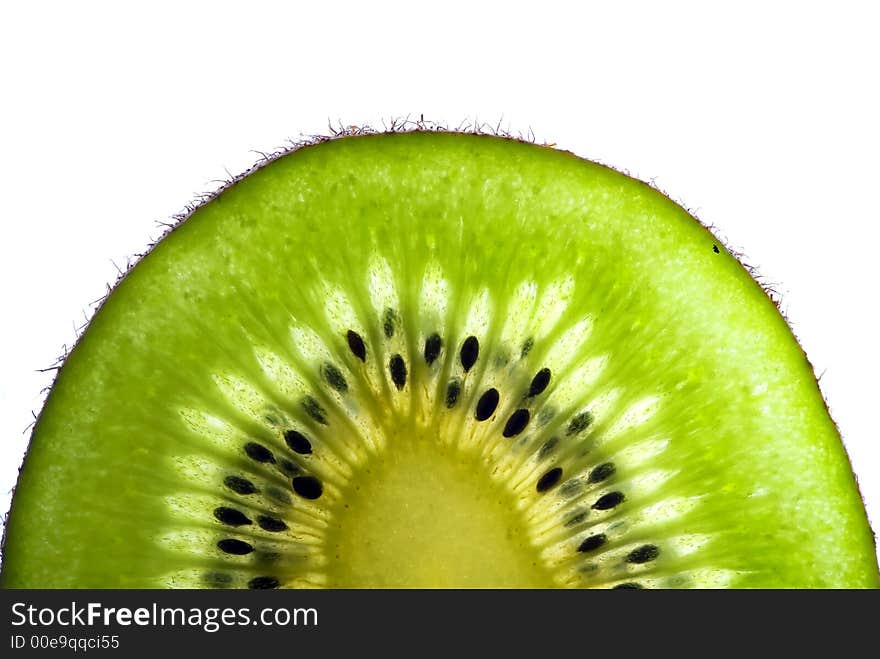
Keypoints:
pixel 437 360
pixel 426 516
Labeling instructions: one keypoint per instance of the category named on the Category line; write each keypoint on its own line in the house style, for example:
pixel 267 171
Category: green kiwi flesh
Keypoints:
pixel 437 360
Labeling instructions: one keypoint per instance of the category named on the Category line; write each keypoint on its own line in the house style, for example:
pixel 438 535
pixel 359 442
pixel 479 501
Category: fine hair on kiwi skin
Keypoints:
pixel 273 500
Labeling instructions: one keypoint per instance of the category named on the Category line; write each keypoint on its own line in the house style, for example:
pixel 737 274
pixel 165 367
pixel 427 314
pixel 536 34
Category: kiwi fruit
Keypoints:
pixel 437 359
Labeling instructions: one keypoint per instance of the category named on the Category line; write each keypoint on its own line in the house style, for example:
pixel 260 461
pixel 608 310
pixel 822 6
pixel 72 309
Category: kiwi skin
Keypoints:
pixel 830 548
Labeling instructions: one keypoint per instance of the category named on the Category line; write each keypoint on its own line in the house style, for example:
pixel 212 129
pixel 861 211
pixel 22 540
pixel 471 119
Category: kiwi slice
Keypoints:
pixel 439 360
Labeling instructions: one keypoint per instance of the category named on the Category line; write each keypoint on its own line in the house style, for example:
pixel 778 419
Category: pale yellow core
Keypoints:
pixel 423 516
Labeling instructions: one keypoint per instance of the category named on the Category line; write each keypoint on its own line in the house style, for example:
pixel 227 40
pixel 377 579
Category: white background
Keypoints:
pixel 761 118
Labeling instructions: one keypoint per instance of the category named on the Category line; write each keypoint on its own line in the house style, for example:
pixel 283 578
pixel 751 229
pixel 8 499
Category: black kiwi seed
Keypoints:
pixel 388 322
pixel 239 485
pixel 608 501
pixel 453 389
pixel 516 423
pixel 258 452
pixel 263 583
pixel 397 367
pixel 231 516
pixel 233 546
pixel 356 345
pixel 308 487
pixel 603 471
pixel 314 410
pixel 527 346
pixel 539 382
pixel 487 404
pixel 470 350
pixel 548 447
pixel 630 585
pixel 273 524
pixel 643 554
pixel 579 423
pixel 277 494
pixel 288 467
pixel 432 348
pixel 593 543
pixel 550 479
pixel 334 378
pixel 298 442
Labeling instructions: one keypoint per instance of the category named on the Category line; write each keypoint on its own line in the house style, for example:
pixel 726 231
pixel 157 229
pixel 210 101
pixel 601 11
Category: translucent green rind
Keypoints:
pixel 750 438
